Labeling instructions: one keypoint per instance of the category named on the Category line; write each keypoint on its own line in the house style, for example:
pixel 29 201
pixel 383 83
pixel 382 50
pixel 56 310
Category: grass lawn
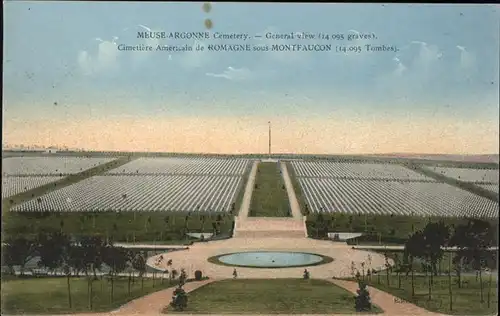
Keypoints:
pixel 50 295
pixel 466 300
pixel 271 296
pixel 144 227
pixel 269 197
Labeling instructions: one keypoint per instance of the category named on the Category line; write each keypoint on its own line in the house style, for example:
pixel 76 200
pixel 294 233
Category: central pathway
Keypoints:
pixel 269 227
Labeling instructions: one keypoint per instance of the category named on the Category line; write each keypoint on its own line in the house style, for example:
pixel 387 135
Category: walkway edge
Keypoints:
pixel 247 197
pixel 292 198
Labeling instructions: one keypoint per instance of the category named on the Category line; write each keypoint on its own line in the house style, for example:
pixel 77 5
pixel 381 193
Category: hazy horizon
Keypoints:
pixel 66 84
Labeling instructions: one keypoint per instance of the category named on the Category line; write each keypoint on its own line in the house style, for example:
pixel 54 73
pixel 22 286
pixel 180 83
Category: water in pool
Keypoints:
pixel 270 259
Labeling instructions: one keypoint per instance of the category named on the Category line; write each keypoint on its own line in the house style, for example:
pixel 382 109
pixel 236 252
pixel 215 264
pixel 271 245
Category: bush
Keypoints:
pixel 198 275
pixel 306 275
pixel 179 299
pixel 362 301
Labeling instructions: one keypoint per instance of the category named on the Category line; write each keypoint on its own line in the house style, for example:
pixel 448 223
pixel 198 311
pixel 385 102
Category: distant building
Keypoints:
pixel 50 150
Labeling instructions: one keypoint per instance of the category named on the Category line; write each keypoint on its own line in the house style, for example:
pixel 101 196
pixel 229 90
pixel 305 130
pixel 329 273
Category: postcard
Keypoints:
pixel 250 158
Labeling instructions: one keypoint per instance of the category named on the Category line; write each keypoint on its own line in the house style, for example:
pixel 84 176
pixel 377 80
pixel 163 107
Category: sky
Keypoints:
pixel 66 83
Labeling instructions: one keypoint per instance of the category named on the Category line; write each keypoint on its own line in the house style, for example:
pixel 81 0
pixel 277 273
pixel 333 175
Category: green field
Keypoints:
pixel 269 196
pixel 465 300
pixel 161 227
pixel 50 295
pixel 276 296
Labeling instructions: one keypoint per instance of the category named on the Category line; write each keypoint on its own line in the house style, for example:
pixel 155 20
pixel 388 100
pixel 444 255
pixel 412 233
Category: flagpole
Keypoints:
pixel 269 138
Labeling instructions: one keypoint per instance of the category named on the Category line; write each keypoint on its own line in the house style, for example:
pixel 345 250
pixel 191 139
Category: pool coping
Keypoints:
pixel 325 260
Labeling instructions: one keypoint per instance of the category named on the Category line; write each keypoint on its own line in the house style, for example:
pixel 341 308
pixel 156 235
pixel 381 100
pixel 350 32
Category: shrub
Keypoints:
pixel 306 275
pixel 179 299
pixel 362 302
pixel 198 275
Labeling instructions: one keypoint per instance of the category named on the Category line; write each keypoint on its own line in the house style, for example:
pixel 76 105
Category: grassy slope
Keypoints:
pixel 270 197
pixel 50 296
pixel 259 296
pixel 129 227
pixel 466 301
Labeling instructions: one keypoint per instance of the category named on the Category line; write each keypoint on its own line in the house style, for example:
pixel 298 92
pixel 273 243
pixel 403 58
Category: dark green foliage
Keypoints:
pixel 362 302
pixel 179 299
pixel 129 227
pixel 18 251
pixel 54 250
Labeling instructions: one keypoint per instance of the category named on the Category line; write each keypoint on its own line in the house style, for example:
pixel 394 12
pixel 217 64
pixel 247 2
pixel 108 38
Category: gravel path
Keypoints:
pixel 247 197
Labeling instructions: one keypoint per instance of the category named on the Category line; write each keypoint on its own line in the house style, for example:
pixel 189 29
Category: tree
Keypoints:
pixel 139 264
pixel 473 241
pixel 116 258
pixel 320 225
pixel 362 302
pixel 53 249
pixel 413 249
pixel 436 236
pixel 397 262
pixel 433 238
pixel 457 262
pixel 76 260
pixel 18 251
pixel 387 267
pixel 93 253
